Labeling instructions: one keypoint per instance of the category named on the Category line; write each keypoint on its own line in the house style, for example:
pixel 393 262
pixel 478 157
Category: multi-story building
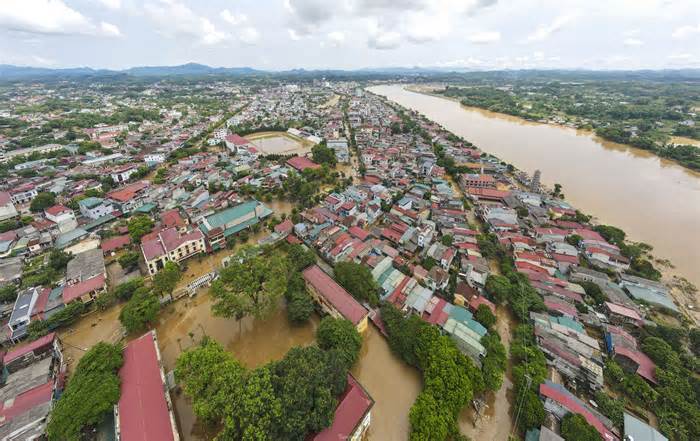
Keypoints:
pixel 23 194
pixel 217 227
pixel 95 208
pixel 169 245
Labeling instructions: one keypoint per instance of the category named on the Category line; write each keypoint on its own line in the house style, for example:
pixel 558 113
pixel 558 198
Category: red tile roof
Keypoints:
pixel 301 163
pixel 31 347
pixel 57 209
pixel 646 366
pixel 72 292
pixel 237 139
pixel 26 401
pixel 114 243
pixel 127 193
pixel 358 232
pixel 573 406
pixel 172 218
pixel 335 294
pixel 351 410
pixel 143 409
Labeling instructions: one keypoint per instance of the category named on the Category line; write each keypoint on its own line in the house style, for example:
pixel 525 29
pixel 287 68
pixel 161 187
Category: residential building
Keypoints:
pixel 333 298
pixel 218 226
pixel 61 216
pixel 23 194
pixel 170 245
pixel 7 207
pixel 144 411
pixel 95 208
pixel 353 415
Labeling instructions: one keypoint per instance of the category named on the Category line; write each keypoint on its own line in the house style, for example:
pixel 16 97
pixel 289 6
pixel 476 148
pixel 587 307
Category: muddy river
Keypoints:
pixel 652 199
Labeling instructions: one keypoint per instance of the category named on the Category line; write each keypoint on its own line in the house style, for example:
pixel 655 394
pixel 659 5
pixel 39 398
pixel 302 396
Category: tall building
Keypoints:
pixel 535 182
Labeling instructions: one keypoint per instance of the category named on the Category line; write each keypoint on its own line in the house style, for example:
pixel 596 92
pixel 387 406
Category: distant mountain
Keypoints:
pixel 16 73
pixel 8 71
pixel 189 69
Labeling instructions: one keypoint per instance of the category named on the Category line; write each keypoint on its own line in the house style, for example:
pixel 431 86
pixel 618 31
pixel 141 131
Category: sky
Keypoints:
pixel 349 34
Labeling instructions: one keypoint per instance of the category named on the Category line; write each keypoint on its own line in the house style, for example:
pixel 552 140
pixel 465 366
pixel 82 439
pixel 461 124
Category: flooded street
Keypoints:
pixel 496 420
pixel 652 199
pixel 393 384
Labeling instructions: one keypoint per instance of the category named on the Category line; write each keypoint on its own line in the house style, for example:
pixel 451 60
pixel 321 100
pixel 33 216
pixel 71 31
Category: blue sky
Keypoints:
pixel 283 34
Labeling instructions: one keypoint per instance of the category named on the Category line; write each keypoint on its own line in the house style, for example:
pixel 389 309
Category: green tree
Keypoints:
pixel 139 226
pixel 141 310
pixel 250 285
pixel 42 201
pixel 124 291
pixel 90 395
pixel 574 427
pixel 429 421
pixel 165 280
pixel 300 257
pixel 358 280
pixel 485 316
pixel 300 306
pixel 447 240
pixel 342 335
pixel 129 259
pixel 498 287
pixel 323 155
pixel 494 363
pixel 8 293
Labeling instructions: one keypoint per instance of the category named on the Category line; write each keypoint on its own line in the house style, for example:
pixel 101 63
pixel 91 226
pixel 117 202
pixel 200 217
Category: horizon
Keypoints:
pixel 478 35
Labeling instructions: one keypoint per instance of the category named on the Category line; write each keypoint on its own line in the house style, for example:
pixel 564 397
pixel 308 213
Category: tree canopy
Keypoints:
pixel 141 310
pixel 252 284
pixel 139 226
pixel 90 395
pixel 574 427
pixel 42 201
pixel 358 280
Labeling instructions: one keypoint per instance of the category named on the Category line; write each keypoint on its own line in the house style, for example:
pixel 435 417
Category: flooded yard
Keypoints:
pixel 278 143
pixel 253 342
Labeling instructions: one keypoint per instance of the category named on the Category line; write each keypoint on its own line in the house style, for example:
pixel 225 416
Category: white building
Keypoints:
pixel 122 174
pixel 7 208
pixel 95 208
pixel 23 194
pixel 154 158
pixel 63 217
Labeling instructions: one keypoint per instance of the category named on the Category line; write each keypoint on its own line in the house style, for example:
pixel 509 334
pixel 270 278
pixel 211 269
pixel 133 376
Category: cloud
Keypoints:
pixel 173 18
pixel 632 42
pixel 383 40
pixel 486 37
pixel 50 17
pixel 233 19
pixel 307 16
pixel 684 32
pixel 249 35
pixel 294 35
pixel 543 32
pixel 111 4
pixel 336 39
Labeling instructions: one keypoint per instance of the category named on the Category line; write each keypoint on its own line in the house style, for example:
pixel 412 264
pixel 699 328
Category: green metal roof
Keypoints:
pixel 146 208
pixel 218 220
pixel 90 202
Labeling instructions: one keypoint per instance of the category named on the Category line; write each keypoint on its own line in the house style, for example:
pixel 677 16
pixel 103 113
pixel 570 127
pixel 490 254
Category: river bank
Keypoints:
pixel 661 207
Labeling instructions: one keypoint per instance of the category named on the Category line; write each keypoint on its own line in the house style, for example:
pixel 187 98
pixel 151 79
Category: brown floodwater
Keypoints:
pixel 253 342
pixel 654 200
pixel 393 385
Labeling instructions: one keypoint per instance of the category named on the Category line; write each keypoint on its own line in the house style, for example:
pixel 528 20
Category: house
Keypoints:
pixel 122 174
pixel 169 245
pixel 7 207
pixel 23 194
pixel 218 226
pixel 22 311
pixel 144 411
pixel 115 243
pixel 61 216
pixel 234 142
pixel 130 197
pixel 333 298
pixel 618 314
pixel 95 208
pixel 352 415
pixel 34 376
pixel 154 158
pixel 85 291
pixel 85 265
